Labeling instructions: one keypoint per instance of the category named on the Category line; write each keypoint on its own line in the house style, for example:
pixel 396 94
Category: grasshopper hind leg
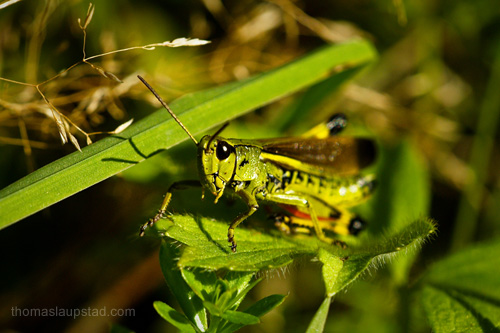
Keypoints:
pixel 332 222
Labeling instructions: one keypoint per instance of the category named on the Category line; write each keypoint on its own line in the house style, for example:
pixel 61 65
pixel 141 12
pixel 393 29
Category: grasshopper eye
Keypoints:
pixel 223 150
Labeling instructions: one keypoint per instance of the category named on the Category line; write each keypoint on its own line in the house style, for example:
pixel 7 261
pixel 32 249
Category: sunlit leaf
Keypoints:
pixel 207 248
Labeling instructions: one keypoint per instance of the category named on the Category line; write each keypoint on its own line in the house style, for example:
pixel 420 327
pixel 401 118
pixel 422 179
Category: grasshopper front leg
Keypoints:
pixel 181 185
pixel 252 208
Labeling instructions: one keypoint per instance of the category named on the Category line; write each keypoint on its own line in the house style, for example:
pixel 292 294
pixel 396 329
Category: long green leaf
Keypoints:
pixel 189 302
pixel 173 317
pixel 318 323
pixel 241 318
pixel 258 309
pixel 199 112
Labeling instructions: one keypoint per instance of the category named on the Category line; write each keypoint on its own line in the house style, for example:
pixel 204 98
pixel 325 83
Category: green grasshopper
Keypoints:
pixel 314 177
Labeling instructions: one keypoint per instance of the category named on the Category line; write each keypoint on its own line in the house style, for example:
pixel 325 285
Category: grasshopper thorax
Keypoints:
pixel 216 163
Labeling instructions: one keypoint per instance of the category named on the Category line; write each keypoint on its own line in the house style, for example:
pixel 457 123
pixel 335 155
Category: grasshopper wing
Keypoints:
pixel 332 155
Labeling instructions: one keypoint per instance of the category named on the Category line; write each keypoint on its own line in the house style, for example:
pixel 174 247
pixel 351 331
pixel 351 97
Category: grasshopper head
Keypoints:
pixel 216 163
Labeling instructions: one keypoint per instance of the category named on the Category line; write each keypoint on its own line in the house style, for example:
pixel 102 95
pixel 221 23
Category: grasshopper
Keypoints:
pixel 315 177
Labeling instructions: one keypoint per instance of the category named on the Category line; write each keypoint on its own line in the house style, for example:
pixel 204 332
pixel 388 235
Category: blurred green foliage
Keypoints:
pixel 431 101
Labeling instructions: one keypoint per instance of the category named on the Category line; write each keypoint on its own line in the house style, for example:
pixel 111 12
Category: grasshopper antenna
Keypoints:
pixel 216 133
pixel 167 107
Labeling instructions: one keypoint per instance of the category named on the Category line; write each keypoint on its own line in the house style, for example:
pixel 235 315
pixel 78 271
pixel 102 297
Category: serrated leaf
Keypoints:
pixel 173 317
pixel 206 240
pixel 462 292
pixel 208 247
pixel 380 249
pixel 340 271
pixel 319 319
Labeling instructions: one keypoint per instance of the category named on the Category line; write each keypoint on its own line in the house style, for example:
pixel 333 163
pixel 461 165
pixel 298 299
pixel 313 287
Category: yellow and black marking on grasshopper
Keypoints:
pixel 317 174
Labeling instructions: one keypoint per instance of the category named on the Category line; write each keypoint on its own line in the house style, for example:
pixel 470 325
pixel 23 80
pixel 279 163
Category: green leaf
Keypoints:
pixel 241 281
pixel 227 299
pixel 319 319
pixel 257 309
pixel 451 310
pixel 188 301
pixel 462 292
pixel 332 266
pixel 340 271
pixel 241 318
pixel 263 306
pixel 199 112
pixel 202 282
pixel 173 317
pixel 212 309
pixel 239 284
pixel 207 248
